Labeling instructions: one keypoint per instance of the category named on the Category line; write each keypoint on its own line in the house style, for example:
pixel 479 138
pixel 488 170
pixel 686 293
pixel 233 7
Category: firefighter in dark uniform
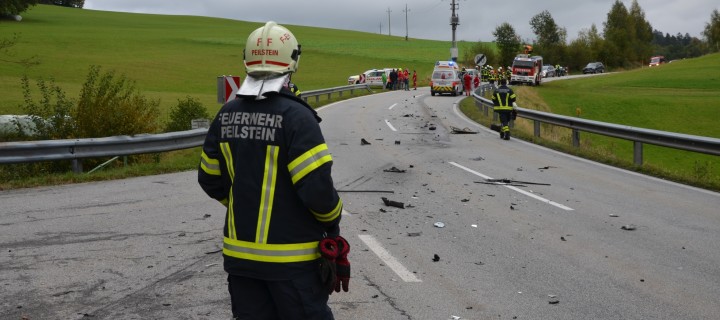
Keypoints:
pixel 265 159
pixel 503 103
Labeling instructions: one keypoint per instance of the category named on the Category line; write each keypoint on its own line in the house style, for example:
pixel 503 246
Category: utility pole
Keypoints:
pixel 380 27
pixel 406 22
pixel 454 22
pixel 388 11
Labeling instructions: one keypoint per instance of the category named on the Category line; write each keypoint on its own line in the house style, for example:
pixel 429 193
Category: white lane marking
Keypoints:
pixel 532 195
pixel 390 125
pixel 388 259
pixel 392 106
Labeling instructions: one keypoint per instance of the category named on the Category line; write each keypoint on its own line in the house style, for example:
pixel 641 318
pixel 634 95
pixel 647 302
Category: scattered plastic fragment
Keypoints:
pixel 473 225
pixel 629 227
pixel 462 131
pixel 364 142
pixel 397 141
pixel 414 234
pixel 394 169
pixel 454 317
pixel 614 215
pixel 439 224
pixel 464 200
pixel 554 301
pixel 391 203
pixel 436 258
pixel 562 238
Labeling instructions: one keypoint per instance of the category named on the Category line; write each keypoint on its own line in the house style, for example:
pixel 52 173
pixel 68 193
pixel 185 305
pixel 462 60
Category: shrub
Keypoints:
pixel 185 111
pixel 111 106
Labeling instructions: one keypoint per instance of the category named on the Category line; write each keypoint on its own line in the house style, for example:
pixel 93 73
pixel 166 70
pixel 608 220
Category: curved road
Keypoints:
pixel 146 248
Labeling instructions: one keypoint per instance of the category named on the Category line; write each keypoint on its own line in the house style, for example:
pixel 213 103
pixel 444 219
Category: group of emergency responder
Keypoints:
pixel 491 75
pixel 399 79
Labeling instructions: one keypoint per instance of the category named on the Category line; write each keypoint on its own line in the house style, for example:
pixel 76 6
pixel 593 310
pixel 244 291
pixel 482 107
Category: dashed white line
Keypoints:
pixel 388 259
pixel 392 106
pixel 390 125
pixel 532 195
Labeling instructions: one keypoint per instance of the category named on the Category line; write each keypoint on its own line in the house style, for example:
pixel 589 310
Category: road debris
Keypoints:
pixel 546 168
pixel 562 238
pixel 436 258
pixel 553 301
pixel 391 203
pixel 397 141
pixel 465 130
pixel 614 215
pixel 439 224
pixel 455 317
pixel 464 200
pixel 629 227
pixel 364 142
pixel 414 234
pixel 394 169
pixel 478 159
pixel 473 225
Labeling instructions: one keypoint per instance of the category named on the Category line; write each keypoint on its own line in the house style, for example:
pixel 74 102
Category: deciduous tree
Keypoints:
pixel 508 43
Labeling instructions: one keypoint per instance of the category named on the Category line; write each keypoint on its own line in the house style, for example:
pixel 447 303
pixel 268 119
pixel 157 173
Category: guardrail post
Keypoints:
pixel 536 128
pixel 317 99
pixel 487 110
pixel 575 138
pixel 638 153
pixel 340 94
pixel 77 166
pixel 329 95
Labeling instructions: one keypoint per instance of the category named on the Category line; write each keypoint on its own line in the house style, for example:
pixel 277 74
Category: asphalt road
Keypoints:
pixel 147 248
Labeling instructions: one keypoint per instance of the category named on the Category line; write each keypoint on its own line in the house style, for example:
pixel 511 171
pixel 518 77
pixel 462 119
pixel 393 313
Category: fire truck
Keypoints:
pixel 527 69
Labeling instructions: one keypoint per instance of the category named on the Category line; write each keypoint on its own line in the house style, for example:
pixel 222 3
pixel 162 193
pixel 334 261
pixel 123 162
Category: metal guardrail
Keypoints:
pixel 77 149
pixel 637 135
pixel 330 91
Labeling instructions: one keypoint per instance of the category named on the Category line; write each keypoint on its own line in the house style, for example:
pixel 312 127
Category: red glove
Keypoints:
pixel 329 252
pixel 342 264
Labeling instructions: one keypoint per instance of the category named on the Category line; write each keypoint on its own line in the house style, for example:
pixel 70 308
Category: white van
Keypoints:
pixel 446 79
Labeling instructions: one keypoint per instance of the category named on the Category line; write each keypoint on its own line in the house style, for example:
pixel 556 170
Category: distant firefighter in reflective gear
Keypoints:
pixel 503 103
pixel 265 159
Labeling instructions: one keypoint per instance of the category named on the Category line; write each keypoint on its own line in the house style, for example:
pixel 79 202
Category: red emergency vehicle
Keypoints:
pixel 527 69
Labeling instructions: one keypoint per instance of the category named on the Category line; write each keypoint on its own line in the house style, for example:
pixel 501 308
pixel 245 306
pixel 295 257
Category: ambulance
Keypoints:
pixel 446 79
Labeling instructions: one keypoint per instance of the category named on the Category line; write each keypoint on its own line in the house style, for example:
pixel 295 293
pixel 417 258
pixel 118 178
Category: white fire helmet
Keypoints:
pixel 271 50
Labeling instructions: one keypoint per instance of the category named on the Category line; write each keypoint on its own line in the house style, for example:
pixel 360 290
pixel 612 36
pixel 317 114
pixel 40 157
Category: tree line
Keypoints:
pixel 15 7
pixel 627 40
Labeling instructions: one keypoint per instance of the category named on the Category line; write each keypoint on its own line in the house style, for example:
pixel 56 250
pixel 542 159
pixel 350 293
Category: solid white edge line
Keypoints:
pixel 392 106
pixel 390 125
pixel 388 259
pixel 515 188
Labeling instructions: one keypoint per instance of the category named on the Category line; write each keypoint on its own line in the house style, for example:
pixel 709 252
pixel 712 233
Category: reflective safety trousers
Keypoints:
pixel 266 160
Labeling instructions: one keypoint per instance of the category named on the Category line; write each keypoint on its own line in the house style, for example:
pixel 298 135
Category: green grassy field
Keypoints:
pixel 171 57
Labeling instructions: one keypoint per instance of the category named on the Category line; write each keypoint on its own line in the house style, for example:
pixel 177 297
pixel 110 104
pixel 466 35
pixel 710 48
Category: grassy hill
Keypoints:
pixel 171 57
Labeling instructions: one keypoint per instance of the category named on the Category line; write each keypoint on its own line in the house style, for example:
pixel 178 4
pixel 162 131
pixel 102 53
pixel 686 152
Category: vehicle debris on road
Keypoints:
pixel 391 203
pixel 465 130
pixel 629 227
pixel 439 225
pixel 364 142
pixel 394 169
pixel 510 181
pixel 436 258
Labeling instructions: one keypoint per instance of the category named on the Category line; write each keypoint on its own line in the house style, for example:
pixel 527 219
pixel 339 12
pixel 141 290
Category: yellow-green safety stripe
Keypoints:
pixel 268 194
pixel 209 165
pixel 309 161
pixel 227 154
pixel 277 253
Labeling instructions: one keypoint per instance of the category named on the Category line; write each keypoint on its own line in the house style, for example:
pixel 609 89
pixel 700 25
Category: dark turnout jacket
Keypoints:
pixel 267 162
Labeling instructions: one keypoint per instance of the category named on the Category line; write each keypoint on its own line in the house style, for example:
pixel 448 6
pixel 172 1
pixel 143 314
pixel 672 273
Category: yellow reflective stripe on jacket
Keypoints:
pixel 330 216
pixel 263 252
pixel 309 161
pixel 504 105
pixel 227 154
pixel 209 165
pixel 268 194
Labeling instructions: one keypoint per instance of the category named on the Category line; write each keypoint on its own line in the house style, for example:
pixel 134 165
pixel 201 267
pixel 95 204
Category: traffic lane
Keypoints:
pixel 673 216
pixel 596 255
pixel 104 248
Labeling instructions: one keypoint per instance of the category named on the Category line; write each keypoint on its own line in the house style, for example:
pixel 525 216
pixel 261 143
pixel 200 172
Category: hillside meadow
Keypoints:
pixel 171 57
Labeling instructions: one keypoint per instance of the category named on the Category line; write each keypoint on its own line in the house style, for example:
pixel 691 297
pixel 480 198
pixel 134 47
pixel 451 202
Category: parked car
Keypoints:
pixel 373 77
pixel 594 67
pixel 548 71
